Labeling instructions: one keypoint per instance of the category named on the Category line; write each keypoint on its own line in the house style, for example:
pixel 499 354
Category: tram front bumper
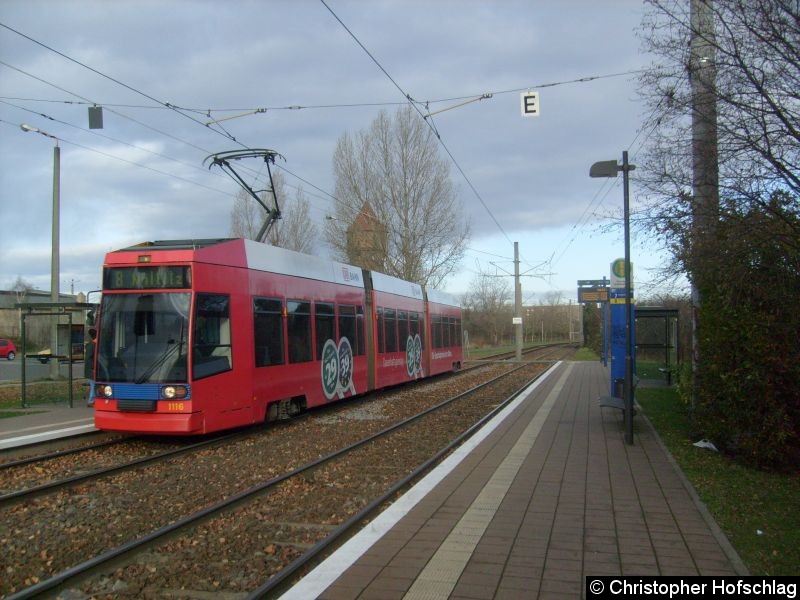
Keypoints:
pixel 166 423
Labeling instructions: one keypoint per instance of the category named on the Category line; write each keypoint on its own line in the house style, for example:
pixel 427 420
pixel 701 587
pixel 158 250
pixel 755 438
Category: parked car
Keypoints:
pixel 7 349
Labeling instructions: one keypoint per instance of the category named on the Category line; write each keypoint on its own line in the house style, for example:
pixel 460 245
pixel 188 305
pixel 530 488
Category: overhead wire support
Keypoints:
pixel 110 78
pixel 416 107
pixel 256 111
pixel 460 104
pixel 222 160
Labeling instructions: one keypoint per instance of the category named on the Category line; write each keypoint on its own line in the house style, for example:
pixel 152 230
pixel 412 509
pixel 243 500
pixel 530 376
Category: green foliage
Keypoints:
pixel 744 501
pixel 748 378
pixel 593 328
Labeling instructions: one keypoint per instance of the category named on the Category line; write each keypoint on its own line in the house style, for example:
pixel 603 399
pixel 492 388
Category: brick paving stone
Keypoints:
pixel 341 592
pixel 582 503
pixel 601 568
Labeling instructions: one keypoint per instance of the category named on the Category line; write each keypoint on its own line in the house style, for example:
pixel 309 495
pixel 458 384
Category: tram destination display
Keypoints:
pixel 147 278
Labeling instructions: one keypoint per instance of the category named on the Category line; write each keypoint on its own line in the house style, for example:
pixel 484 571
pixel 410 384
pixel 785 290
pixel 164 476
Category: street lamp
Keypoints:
pixel 610 168
pixel 54 258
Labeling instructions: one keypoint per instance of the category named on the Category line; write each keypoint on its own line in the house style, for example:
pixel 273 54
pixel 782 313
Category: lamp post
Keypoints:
pixel 54 257
pixel 610 168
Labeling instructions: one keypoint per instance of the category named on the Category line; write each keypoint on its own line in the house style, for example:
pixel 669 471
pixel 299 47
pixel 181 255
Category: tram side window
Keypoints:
pixel 211 353
pixel 362 348
pixel 325 325
pixel 402 328
pixel 299 328
pixel 348 328
pixel 389 316
pixel 268 331
pixel 451 331
pixel 414 328
pixel 381 337
pixel 459 337
pixel 436 330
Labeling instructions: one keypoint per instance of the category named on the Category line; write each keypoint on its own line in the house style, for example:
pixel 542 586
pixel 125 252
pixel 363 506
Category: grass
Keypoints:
pixel 478 353
pixel 743 500
pixel 586 354
pixel 50 392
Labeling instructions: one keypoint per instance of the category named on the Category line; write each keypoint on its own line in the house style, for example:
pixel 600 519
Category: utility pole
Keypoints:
pixel 517 303
pixel 55 295
pixel 705 163
pixel 54 255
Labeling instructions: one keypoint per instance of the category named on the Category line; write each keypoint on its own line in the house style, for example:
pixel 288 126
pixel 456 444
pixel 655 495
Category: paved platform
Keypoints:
pixel 44 422
pixel 549 496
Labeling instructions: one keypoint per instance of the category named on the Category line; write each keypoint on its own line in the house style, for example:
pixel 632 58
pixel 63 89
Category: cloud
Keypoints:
pixel 533 174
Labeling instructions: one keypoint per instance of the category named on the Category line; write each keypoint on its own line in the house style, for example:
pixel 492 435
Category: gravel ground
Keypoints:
pixel 23 477
pixel 239 550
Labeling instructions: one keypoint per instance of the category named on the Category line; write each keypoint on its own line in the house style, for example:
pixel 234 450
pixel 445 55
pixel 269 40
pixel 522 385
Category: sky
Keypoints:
pixel 142 176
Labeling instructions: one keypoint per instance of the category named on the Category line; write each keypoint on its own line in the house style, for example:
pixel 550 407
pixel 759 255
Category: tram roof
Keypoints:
pixel 273 259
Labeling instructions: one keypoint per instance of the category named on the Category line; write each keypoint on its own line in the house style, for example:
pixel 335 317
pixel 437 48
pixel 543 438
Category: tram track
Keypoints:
pixel 135 501
pixel 33 491
pixel 41 475
pixel 286 486
pixel 36 457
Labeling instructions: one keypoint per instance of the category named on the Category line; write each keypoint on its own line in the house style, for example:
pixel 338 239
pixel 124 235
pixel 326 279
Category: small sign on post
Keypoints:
pixel 529 102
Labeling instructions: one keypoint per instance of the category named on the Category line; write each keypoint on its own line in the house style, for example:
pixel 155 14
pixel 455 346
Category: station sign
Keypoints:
pixel 529 103
pixel 592 291
pixel 617 295
pixel 618 273
pixel 592 295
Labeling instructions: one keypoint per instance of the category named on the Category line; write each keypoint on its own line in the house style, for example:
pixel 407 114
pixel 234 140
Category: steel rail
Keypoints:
pixel 44 488
pixel 279 578
pixel 65 452
pixel 50 486
pixel 86 568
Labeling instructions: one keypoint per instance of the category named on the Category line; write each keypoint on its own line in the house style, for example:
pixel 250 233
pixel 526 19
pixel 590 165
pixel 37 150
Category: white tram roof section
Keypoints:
pixel 392 285
pixel 272 259
pixel 437 297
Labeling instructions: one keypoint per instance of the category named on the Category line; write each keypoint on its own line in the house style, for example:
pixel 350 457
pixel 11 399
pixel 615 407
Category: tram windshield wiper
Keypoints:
pixel 159 361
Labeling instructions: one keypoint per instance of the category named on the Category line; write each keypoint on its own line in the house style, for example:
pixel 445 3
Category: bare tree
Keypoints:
pixel 293 231
pixel 246 216
pixel 755 48
pixel 487 307
pixel 741 253
pixel 20 287
pixel 392 173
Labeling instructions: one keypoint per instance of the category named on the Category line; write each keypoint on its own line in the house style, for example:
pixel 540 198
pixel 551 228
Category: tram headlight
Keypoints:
pixel 174 391
pixel 105 390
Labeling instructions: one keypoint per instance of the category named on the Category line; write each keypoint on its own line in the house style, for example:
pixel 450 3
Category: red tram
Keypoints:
pixel 201 335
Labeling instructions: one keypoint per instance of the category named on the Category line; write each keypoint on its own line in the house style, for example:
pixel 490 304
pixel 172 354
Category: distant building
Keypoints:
pixel 38 329
pixel 367 240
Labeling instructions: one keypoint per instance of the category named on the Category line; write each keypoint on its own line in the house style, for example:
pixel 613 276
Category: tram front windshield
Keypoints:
pixel 143 338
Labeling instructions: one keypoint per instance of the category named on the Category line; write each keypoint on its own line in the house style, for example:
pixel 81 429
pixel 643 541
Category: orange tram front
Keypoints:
pixel 196 336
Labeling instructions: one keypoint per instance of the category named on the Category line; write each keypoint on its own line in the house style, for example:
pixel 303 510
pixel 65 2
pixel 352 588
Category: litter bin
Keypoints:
pixel 619 388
